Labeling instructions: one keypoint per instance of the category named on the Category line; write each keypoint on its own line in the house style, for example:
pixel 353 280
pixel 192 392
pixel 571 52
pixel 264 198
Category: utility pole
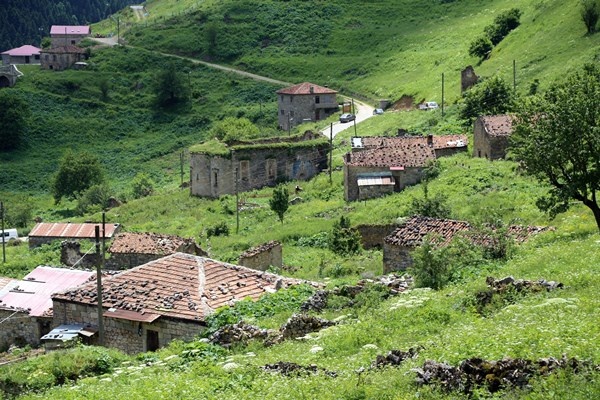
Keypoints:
pixel 181 166
pixel 442 94
pixel 118 28
pixel 99 288
pixel 237 204
pixel 3 238
pixel 330 150
pixel 353 109
pixel 355 135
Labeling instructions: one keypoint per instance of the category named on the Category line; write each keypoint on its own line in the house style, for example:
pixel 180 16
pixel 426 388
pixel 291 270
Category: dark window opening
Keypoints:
pixel 151 340
pixel 317 99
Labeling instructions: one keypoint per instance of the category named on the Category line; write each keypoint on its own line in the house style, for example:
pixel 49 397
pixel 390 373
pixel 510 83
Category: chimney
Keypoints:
pixel 430 140
pixel 312 89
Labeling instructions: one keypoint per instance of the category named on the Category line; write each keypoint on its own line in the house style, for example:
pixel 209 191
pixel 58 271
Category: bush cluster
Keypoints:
pixel 494 33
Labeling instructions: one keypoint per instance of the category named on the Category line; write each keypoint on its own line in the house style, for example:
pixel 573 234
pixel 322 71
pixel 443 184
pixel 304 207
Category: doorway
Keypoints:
pixel 151 340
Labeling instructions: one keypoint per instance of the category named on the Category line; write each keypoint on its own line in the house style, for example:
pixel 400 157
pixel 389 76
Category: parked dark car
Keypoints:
pixel 347 117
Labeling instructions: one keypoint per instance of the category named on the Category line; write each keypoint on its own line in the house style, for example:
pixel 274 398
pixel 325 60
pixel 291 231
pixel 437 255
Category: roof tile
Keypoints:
pixel 305 88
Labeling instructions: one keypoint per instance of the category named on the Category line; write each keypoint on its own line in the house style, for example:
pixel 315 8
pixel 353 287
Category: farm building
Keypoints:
pixel 305 102
pixel 48 232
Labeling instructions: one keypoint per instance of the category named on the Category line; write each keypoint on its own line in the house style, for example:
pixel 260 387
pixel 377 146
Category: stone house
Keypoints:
pixel 26 305
pixel 148 306
pixel 48 232
pixel 262 257
pixel 377 165
pixel 130 249
pixel 61 58
pixel 217 169
pixel 490 136
pixel 21 55
pixel 68 35
pixel 305 102
pixel 410 234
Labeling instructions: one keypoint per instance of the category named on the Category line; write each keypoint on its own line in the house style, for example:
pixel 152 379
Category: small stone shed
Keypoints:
pixel 61 58
pixel 217 169
pixel 305 102
pixel 411 233
pixel 148 306
pixel 263 256
pixel 47 232
pixel 130 249
pixel 26 305
pixel 490 136
pixel 379 165
pixel 21 55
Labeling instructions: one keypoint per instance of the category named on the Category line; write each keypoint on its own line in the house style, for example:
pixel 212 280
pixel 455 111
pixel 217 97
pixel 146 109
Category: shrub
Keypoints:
pixel 491 97
pixel 221 229
pixel 590 12
pixel 503 24
pixel 430 266
pixel 344 239
pixel 94 199
pixel 436 207
pixel 481 47
pixel 142 186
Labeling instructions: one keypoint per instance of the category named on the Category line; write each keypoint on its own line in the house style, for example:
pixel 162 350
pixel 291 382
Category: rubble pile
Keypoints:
pixel 316 302
pixel 508 284
pixel 298 326
pixel 394 358
pixel 241 332
pixel 495 375
pixel 295 370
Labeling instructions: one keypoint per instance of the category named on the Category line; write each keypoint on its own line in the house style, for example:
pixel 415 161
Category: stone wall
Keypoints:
pixel 468 78
pixel 486 146
pixel 262 257
pixel 19 328
pixel 372 235
pixel 70 253
pixel 59 61
pixel 450 151
pixel 66 40
pixel 409 176
pixel 122 261
pixel 214 176
pixel 127 336
pixel 396 258
pixel 294 109
pixel 374 191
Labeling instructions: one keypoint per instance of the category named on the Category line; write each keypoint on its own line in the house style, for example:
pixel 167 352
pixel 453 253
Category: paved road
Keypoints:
pixel 363 112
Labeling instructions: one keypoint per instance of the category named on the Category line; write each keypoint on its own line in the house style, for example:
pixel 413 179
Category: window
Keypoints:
pixel 317 99
pixel 244 170
pixel 271 168
pixel 72 42
pixel 37 56
pixel 291 99
pixel 54 57
pixel 282 111
pixel 281 97
pixel 215 177
pixel 292 113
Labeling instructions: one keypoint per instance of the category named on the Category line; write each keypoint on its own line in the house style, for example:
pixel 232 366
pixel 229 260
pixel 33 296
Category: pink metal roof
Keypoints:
pixel 33 292
pixel 26 50
pixel 69 230
pixel 306 88
pixel 70 30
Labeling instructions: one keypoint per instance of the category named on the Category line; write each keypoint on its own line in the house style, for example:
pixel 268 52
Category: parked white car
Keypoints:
pixel 9 235
pixel 428 105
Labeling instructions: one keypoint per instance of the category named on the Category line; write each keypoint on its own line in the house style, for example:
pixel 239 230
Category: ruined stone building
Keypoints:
pixel 263 256
pixel 61 58
pixel 305 102
pixel 378 165
pixel 411 233
pixel 148 306
pixel 26 305
pixel 217 169
pixel 490 136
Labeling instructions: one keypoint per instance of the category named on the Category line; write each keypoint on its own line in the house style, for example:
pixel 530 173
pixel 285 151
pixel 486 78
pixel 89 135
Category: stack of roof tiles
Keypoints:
pixel 497 125
pixel 179 286
pixel 147 243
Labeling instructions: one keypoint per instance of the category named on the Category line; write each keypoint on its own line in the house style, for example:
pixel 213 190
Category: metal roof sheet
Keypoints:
pixel 69 230
pixel 70 30
pixel 26 50
pixel 34 291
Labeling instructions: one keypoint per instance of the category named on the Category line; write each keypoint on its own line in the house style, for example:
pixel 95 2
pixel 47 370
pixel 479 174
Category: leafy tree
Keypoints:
pixel 96 198
pixel 279 203
pixel 18 211
pixel 590 12
pixel 14 114
pixel 76 173
pixel 481 48
pixel 142 186
pixel 344 239
pixel 557 140
pixel 170 86
pixel 430 266
pixel 503 24
pixel 490 97
pixel 233 129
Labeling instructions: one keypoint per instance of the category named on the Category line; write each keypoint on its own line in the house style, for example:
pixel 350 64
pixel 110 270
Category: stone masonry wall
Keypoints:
pixel 263 260
pixel 486 146
pixel 122 261
pixel 374 191
pixel 214 176
pixel 19 328
pixel 396 258
pixel 407 177
pixel 124 334
pixel 298 108
pixel 372 235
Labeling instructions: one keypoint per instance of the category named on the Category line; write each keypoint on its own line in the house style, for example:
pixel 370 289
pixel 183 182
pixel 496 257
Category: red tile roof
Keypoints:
pixel 407 155
pixel 179 286
pixel 26 50
pixel 305 88
pixel 148 243
pixel 439 141
pixel 70 30
pixel 413 231
pixel 33 293
pixel 497 125
pixel 72 231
